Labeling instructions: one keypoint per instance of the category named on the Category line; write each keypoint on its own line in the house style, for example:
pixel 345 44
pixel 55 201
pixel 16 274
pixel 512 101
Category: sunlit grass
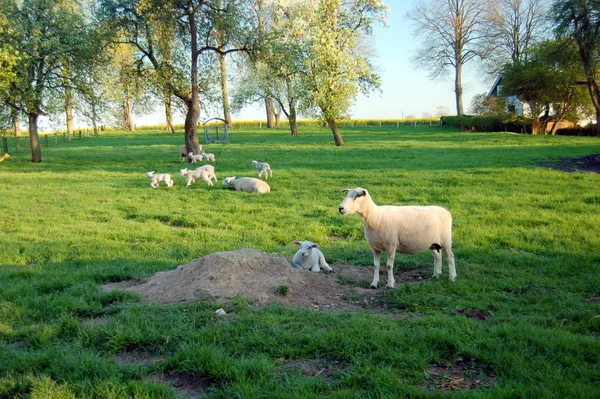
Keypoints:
pixel 526 240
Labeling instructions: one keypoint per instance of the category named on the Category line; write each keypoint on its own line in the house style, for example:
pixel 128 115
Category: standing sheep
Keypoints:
pixel 247 184
pixel 262 168
pixel 192 175
pixel 402 229
pixel 194 158
pixel 208 157
pixel 309 257
pixel 183 151
pixel 155 180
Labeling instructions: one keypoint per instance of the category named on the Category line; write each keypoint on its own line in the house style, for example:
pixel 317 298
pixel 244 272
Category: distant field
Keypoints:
pixel 522 319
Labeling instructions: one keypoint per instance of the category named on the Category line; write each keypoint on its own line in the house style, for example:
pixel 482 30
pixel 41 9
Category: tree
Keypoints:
pixel 514 26
pixel 335 67
pixel 46 33
pixel 548 82
pixel 194 26
pixel 453 33
pixel 580 20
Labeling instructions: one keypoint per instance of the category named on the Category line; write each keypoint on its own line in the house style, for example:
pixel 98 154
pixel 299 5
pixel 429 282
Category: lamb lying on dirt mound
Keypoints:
pixel 252 274
pixel 309 257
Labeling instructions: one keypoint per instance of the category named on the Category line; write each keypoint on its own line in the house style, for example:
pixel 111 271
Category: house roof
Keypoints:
pixel 494 90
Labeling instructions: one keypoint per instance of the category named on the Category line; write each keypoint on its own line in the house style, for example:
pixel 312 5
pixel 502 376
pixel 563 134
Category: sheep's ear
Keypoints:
pixel 361 193
pixel 345 191
pixel 298 243
pixel 315 246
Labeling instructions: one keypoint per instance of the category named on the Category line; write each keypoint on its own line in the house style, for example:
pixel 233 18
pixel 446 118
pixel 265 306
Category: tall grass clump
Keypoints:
pixel 526 241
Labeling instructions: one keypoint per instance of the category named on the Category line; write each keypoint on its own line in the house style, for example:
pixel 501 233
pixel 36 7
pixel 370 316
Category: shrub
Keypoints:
pixel 488 123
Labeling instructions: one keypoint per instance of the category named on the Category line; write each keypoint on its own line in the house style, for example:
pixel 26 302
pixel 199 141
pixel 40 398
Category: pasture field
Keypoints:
pixel 522 319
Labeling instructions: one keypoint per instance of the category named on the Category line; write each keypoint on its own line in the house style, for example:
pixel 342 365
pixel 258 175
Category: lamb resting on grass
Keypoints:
pixel 247 184
pixel 309 257
pixel 262 168
pixel 402 229
pixel 155 180
pixel 199 173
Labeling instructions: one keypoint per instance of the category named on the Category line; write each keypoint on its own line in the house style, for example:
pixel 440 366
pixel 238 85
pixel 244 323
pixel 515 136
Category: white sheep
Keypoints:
pixel 155 180
pixel 402 229
pixel 192 175
pixel 262 168
pixel 247 184
pixel 210 170
pixel 309 257
pixel 195 157
pixel 208 157
pixel 183 152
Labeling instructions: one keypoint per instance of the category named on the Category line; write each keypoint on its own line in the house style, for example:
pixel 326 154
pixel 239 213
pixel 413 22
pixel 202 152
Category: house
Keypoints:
pixel 513 104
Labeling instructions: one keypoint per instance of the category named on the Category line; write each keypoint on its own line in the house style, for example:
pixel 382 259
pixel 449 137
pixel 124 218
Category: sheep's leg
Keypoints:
pixel 376 263
pixel 391 254
pixel 451 265
pixel 324 264
pixel 437 262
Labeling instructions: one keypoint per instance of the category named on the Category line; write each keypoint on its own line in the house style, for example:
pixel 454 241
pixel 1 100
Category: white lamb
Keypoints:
pixel 208 157
pixel 402 229
pixel 192 175
pixel 210 170
pixel 155 180
pixel 309 257
pixel 183 151
pixel 247 184
pixel 195 157
pixel 262 168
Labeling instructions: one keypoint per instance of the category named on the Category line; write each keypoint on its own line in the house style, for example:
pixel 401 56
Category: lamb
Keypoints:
pixel 208 157
pixel 155 180
pixel 309 257
pixel 210 170
pixel 195 157
pixel 262 168
pixel 247 184
pixel 183 152
pixel 402 229
pixel 198 173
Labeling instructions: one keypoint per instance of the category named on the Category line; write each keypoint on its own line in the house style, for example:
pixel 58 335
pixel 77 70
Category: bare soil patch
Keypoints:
pixel 464 374
pixel 323 368
pixel 589 163
pixel 185 385
pixel 475 314
pixel 256 275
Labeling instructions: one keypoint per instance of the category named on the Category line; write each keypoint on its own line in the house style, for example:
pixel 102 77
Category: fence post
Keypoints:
pixel 55 138
pixel 26 142
pixel 380 124
pixel 415 123
pixel 65 137
pixel 46 141
pixel 80 134
pixel 5 144
pixel 17 144
pixel 69 136
pixel 397 125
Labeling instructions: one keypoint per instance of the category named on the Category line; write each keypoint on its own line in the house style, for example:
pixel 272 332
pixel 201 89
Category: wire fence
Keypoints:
pixel 23 143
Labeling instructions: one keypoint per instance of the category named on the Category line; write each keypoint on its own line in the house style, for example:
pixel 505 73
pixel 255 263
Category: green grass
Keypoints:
pixel 526 240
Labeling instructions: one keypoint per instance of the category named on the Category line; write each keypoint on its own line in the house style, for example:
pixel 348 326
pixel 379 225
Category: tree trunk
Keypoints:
pixel 68 103
pixel 36 150
pixel 224 91
pixel 168 110
pixel 128 110
pixel 292 105
pixel 193 103
pixel 458 91
pixel 337 137
pixel 270 112
pixel 16 128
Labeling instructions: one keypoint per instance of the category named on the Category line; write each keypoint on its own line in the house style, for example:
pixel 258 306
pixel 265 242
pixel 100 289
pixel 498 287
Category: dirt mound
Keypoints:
pixel 255 275
pixel 590 164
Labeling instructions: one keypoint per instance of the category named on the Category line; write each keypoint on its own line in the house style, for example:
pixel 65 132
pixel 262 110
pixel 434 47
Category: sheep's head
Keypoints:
pixel 228 181
pixel 354 201
pixel 150 174
pixel 183 172
pixel 306 247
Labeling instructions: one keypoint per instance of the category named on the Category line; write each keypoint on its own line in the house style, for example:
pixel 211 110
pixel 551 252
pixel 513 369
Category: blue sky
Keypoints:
pixel 406 89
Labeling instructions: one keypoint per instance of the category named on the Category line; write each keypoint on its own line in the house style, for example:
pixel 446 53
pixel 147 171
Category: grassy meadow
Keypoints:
pixel 526 241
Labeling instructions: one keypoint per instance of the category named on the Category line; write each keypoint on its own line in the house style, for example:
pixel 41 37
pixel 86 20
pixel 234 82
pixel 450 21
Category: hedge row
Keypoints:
pixel 488 123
